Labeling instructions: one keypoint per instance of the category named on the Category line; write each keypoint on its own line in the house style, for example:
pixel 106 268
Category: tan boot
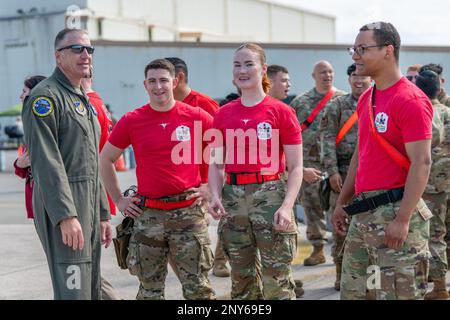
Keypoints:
pixel 221 270
pixel 316 257
pixel 337 283
pixel 439 291
pixel 371 295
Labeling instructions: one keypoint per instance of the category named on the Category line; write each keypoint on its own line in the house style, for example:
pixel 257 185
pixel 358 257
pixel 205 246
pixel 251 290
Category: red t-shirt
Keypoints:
pixel 260 123
pixel 197 99
pixel 402 114
pixel 103 117
pixel 155 136
pixel 106 125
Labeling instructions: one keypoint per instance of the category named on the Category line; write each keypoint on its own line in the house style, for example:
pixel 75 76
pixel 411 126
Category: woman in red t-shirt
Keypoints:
pixel 22 163
pixel 258 132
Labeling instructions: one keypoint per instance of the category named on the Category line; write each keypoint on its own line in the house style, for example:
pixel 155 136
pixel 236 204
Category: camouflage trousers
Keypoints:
pixel 395 274
pixel 447 226
pixel 260 257
pixel 181 234
pixel 315 217
pixel 337 249
pixel 439 206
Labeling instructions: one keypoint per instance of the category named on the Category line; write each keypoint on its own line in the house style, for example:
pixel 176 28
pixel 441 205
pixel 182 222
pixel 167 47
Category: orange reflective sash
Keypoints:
pixel 317 109
pixel 399 158
pixel 346 127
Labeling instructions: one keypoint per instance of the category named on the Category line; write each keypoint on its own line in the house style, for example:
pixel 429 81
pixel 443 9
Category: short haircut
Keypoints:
pixel 428 81
pixel 32 81
pixel 160 64
pixel 385 34
pixel 180 66
pixel 437 68
pixel 415 67
pixel 273 69
pixel 63 33
pixel 351 68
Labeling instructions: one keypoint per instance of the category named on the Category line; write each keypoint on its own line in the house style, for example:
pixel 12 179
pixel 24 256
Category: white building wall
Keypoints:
pixel 201 15
pixel 249 19
pixel 318 29
pixel 111 8
pixel 287 25
pixel 119 29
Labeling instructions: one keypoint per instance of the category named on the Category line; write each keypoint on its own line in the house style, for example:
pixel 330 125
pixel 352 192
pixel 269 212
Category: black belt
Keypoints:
pixel 371 203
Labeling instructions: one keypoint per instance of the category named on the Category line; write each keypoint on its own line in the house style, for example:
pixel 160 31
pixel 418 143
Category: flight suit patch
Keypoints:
pixel 80 108
pixel 42 106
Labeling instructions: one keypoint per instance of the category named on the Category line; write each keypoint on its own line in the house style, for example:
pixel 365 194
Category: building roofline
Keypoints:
pixel 233 45
pixel 297 8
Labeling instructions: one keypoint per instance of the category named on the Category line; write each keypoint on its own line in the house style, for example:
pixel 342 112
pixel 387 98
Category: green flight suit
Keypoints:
pixel 62 136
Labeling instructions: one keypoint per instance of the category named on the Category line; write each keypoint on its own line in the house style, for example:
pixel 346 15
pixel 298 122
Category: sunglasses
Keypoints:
pixel 78 48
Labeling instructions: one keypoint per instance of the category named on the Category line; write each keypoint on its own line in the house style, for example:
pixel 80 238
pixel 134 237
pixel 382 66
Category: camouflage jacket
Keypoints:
pixel 439 180
pixel 337 159
pixel 444 98
pixel 304 104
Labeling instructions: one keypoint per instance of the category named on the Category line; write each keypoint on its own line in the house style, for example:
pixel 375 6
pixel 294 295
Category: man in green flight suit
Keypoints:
pixel 62 134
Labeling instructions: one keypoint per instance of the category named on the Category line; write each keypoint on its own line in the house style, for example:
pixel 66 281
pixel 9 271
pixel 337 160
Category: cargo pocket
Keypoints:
pixel 133 260
pixel 400 279
pixel 221 238
pixel 206 257
pixel 285 247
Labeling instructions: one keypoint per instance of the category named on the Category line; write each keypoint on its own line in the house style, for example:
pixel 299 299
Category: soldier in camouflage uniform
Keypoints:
pixel 304 104
pixel 442 97
pixel 336 158
pixel 436 193
pixel 168 219
pixel 386 245
pixel 257 211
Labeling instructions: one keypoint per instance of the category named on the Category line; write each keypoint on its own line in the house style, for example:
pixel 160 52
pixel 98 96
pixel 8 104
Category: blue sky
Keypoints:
pixel 418 22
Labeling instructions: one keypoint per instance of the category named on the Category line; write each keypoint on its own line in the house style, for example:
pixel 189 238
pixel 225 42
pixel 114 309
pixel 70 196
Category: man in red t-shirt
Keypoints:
pixel 182 92
pixel 387 176
pixel 166 136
